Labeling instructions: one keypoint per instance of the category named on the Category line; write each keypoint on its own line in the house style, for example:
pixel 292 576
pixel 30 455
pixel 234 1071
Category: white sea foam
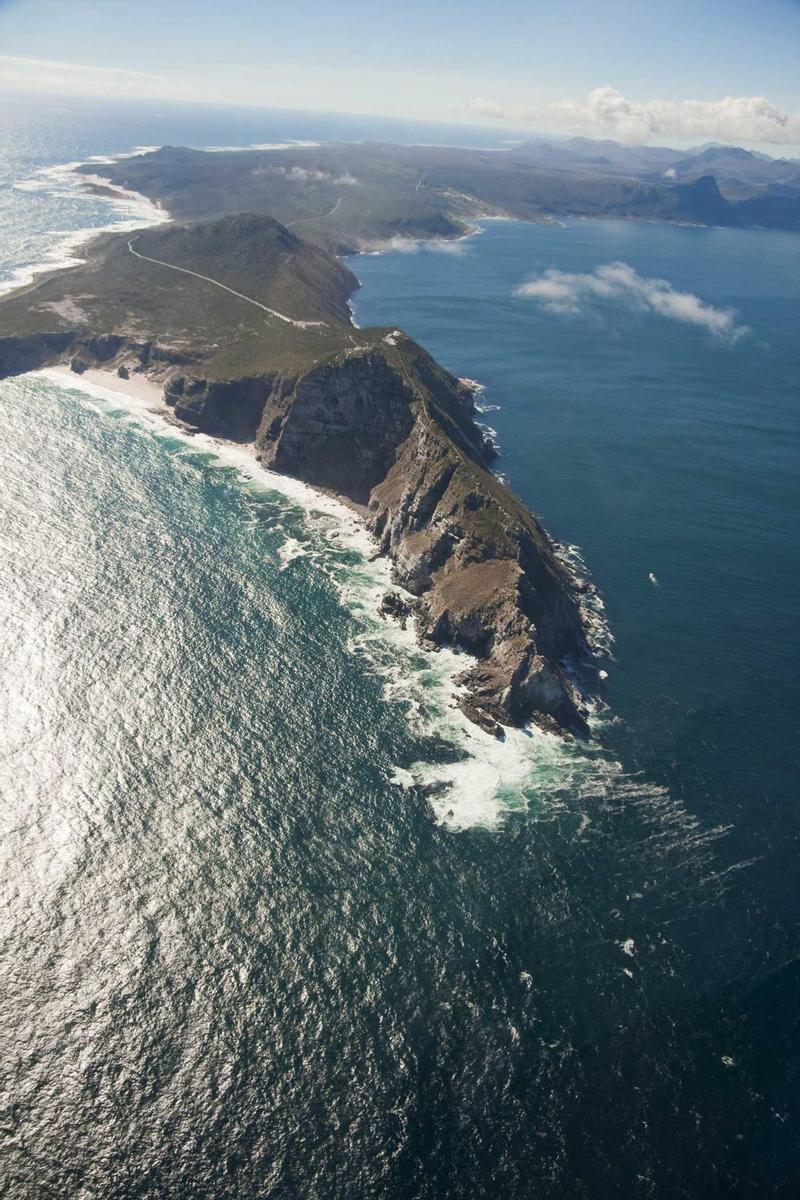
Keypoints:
pixel 290 145
pixel 478 389
pixel 490 432
pixel 146 406
pixel 402 778
pixel 130 211
pixel 529 772
pixel 494 777
pixel 593 609
pixel 352 310
pixel 291 550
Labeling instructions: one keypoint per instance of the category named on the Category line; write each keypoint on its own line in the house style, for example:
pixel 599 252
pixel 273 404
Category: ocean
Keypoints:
pixel 245 952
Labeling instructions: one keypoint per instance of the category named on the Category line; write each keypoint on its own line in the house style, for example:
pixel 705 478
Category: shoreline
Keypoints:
pixel 141 388
pixel 470 792
pixel 135 212
pixel 137 387
pixel 452 791
pixel 144 396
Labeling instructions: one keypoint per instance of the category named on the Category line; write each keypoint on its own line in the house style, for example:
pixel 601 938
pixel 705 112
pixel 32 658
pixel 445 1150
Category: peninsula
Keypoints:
pixel 355 196
pixel 246 327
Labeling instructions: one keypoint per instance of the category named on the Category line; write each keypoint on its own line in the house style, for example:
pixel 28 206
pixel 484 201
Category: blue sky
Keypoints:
pixel 518 62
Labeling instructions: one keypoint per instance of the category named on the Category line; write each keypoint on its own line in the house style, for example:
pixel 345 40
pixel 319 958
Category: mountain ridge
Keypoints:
pixel 354 196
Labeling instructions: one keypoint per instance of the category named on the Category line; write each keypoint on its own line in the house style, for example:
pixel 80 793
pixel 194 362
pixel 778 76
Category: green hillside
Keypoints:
pixel 122 292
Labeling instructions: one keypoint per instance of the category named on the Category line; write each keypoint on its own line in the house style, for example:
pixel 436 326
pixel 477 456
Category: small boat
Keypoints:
pixel 653 580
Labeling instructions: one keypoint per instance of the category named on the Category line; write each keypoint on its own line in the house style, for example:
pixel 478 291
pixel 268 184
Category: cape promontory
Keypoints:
pixel 246 328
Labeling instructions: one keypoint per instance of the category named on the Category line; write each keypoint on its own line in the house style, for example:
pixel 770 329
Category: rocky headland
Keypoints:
pixel 245 328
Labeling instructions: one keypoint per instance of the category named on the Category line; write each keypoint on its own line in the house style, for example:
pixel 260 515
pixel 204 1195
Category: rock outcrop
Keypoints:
pixel 364 413
pixel 390 430
pixel 32 351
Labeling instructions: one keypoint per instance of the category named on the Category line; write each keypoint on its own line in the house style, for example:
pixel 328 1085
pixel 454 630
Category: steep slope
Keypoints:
pixel 703 203
pixel 386 427
pixel 239 295
pixel 367 414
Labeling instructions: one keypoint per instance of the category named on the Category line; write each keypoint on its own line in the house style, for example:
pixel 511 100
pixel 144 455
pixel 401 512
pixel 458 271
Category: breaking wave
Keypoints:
pixel 469 778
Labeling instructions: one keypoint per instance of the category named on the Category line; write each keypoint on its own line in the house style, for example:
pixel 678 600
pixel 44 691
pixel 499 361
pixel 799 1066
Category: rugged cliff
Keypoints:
pixel 386 427
pixel 367 414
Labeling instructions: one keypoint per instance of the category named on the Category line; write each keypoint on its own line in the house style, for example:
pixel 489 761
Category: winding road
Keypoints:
pixel 321 217
pixel 207 279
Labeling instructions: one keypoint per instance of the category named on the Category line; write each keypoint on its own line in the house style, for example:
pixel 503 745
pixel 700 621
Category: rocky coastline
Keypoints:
pixel 383 426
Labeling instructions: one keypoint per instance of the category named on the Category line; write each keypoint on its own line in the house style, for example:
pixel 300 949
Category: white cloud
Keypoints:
pixel 41 74
pixel 310 175
pixel 607 113
pixel 453 247
pixel 567 293
pixel 489 108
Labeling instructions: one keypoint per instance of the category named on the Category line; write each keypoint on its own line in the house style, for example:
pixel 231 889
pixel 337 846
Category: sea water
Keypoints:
pixel 246 952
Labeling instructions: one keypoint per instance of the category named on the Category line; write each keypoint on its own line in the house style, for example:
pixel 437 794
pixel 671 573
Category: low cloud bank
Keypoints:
pixel 607 113
pixel 618 283
pixel 308 175
pixel 455 248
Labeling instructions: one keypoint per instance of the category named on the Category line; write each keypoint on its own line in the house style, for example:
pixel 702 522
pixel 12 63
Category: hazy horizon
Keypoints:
pixel 496 135
pixel 678 77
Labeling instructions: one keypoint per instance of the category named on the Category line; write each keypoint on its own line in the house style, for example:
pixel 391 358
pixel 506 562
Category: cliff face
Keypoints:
pixel 364 413
pixel 29 353
pixel 230 408
pixel 487 577
pixel 388 429
pixel 338 426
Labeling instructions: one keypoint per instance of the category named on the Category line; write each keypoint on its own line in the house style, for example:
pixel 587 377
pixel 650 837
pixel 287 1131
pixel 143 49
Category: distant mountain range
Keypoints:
pixel 759 189
pixel 239 309
pixel 350 196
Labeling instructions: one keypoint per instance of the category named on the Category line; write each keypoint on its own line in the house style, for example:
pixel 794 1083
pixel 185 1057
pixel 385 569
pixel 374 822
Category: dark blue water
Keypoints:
pixel 242 959
pixel 657 447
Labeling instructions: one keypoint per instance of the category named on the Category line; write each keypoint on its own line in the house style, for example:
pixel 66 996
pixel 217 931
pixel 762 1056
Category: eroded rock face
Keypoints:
pixel 488 580
pixel 82 351
pixel 338 425
pixel 20 354
pixel 229 408
pixel 385 427
pixel 391 430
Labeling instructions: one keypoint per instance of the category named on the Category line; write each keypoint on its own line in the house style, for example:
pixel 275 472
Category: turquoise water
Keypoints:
pixel 244 955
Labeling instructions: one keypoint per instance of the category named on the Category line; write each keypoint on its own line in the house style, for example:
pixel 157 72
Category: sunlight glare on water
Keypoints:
pixel 246 953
